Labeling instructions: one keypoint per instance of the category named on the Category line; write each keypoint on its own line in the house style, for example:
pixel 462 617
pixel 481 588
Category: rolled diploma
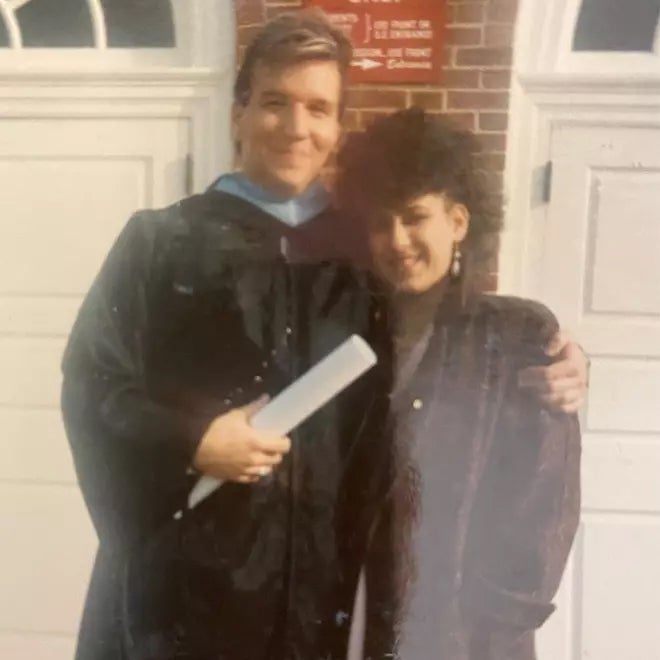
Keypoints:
pixel 306 395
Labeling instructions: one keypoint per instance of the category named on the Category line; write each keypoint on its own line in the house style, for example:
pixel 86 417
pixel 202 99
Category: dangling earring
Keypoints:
pixel 455 268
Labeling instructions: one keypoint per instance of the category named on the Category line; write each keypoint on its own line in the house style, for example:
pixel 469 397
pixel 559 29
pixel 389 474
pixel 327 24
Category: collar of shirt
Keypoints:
pixel 294 211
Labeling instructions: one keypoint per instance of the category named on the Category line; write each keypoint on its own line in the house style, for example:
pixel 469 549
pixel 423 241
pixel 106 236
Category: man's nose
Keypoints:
pixel 296 125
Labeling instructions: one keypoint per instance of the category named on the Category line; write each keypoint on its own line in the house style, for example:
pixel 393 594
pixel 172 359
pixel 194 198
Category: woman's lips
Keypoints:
pixel 406 262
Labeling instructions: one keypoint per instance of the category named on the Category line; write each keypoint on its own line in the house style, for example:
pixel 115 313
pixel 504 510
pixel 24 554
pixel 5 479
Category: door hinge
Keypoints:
pixel 547 182
pixel 189 174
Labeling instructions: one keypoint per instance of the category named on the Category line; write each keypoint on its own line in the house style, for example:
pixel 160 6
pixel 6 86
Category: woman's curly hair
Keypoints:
pixel 412 153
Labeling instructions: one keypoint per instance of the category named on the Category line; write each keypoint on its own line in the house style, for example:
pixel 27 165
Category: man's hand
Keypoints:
pixel 232 450
pixel 562 385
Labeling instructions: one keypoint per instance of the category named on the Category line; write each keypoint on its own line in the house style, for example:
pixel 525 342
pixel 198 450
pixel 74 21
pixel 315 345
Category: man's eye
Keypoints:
pixel 319 110
pixel 273 104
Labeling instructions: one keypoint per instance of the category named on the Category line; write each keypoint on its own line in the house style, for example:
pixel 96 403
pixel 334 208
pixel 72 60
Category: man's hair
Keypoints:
pixel 290 38
pixel 412 153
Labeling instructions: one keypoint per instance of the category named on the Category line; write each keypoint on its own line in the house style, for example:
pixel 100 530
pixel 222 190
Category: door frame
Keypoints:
pixel 553 86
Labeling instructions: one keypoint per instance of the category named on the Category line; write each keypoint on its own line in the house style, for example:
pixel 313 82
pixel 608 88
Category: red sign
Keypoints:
pixel 395 41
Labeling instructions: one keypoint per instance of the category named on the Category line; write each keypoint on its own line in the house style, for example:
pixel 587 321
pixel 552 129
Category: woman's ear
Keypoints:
pixel 460 220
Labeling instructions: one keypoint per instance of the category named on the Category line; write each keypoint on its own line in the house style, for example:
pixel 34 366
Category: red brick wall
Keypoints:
pixel 474 89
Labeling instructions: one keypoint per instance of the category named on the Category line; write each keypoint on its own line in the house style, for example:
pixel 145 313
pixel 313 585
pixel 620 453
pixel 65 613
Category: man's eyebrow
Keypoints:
pixel 272 93
pixel 321 100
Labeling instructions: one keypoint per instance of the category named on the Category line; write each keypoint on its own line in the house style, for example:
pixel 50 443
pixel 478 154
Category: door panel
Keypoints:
pixel 620 473
pixel 618 589
pixel 25 646
pixel 37 315
pixel 48 543
pixel 31 446
pixel 73 184
pixel 69 186
pixel 624 395
pixel 600 272
pixel 623 270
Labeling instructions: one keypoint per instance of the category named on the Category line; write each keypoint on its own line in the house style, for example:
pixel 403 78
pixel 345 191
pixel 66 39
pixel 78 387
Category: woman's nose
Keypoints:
pixel 399 236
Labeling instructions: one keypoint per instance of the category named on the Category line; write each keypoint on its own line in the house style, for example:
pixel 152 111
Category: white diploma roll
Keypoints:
pixel 302 398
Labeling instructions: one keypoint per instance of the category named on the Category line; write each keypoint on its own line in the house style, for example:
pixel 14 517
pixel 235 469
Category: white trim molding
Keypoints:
pixel 598 85
pixel 149 77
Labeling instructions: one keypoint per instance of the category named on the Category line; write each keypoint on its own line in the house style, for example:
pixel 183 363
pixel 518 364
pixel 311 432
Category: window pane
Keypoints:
pixel 4 34
pixel 139 23
pixel 61 24
pixel 621 25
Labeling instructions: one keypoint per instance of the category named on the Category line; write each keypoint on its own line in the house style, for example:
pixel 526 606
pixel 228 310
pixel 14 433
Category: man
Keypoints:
pixel 198 311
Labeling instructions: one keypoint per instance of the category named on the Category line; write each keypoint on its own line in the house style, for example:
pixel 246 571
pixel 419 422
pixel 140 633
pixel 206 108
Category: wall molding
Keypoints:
pixel 598 87
pixel 152 77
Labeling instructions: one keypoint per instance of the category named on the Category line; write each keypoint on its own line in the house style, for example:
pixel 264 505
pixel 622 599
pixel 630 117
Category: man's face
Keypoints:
pixel 290 125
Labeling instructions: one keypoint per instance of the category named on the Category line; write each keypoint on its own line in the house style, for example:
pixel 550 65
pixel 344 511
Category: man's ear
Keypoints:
pixel 237 111
pixel 460 219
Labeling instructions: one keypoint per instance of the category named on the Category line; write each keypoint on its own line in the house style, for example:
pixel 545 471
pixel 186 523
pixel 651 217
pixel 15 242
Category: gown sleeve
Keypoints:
pixel 131 453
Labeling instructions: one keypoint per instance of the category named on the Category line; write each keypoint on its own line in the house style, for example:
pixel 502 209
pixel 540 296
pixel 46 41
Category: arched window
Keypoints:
pixel 617 25
pixel 61 24
pixel 139 23
pixel 87 24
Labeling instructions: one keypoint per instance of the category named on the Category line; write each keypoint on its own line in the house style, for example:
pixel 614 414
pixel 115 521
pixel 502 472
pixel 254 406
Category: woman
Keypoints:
pixel 460 497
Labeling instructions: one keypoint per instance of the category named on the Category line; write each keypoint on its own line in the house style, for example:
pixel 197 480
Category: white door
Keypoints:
pixel 599 270
pixel 67 188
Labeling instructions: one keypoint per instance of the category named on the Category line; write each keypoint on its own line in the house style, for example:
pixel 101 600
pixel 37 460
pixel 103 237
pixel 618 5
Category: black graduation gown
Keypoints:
pixel 194 312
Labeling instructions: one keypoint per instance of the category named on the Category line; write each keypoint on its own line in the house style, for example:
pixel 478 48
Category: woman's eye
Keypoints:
pixel 379 223
pixel 413 220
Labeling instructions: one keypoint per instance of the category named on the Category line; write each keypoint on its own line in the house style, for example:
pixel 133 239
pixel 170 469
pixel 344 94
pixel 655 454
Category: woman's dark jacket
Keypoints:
pixel 509 496
pixel 195 311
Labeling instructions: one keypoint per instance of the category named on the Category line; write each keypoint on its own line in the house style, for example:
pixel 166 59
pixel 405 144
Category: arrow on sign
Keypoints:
pixel 365 64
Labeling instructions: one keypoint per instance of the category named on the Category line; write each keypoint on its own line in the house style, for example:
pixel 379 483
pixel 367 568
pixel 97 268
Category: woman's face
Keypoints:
pixel 411 248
